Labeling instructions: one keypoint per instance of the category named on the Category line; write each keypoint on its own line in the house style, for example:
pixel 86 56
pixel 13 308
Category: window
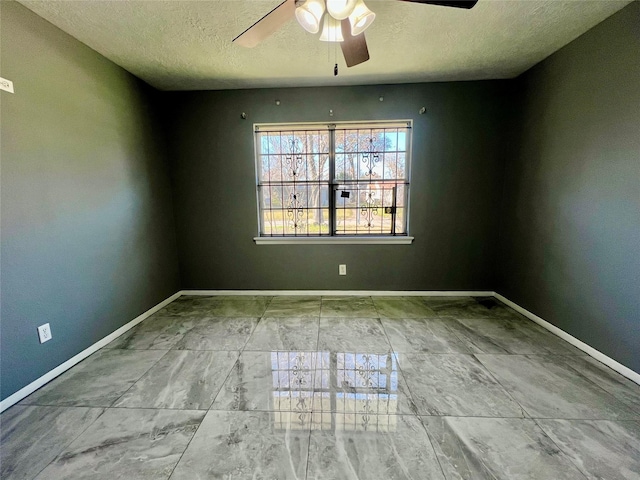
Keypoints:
pixel 333 181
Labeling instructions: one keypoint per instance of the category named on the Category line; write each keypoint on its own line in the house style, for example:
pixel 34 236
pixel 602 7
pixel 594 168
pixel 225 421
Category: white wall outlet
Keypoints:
pixel 44 332
pixel 6 85
pixel 342 269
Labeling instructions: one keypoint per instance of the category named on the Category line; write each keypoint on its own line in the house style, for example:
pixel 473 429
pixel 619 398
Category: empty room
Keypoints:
pixel 320 239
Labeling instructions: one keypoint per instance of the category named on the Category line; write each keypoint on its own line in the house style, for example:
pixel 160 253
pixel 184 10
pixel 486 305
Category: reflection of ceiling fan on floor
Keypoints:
pixel 342 21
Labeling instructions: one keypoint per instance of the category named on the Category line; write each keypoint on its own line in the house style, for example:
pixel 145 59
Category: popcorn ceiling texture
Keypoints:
pixel 186 45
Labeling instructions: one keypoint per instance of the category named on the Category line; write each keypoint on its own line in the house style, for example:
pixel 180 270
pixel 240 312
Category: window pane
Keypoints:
pixel 294 181
pixel 400 221
pixel 360 209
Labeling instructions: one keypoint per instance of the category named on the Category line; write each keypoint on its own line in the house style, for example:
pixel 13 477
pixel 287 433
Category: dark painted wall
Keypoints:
pixel 571 218
pixel 88 239
pixel 458 147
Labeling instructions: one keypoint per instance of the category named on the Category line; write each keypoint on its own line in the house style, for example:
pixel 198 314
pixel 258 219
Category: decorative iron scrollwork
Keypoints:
pixel 371 158
pixel 299 370
pixel 366 371
pixel 369 210
pixel 293 160
pixel 295 211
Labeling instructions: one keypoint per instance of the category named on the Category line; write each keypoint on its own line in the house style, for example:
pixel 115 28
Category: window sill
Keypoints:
pixel 399 240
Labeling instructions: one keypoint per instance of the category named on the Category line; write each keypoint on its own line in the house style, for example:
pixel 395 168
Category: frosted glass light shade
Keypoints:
pixel 361 18
pixel 340 9
pixel 309 15
pixel 331 30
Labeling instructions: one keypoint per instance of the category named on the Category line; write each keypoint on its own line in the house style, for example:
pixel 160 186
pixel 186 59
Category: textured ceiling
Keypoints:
pixel 186 45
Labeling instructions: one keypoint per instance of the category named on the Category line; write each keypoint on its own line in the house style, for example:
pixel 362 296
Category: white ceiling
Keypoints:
pixel 186 45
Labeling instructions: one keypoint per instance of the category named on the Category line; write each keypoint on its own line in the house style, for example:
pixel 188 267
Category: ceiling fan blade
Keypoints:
pixel 354 49
pixel 268 24
pixel 447 3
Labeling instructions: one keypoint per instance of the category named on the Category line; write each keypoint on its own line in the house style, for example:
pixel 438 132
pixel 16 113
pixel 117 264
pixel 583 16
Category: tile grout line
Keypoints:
pixel 187 446
pixel 240 352
pixel 62 450
pixel 495 379
pixel 599 387
pixel 139 378
pixel 623 402
pixel 206 412
pixel 566 455
pixel 411 394
pixel 462 341
pixel 313 397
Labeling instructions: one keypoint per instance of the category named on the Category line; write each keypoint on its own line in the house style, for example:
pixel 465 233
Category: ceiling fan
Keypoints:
pixel 342 21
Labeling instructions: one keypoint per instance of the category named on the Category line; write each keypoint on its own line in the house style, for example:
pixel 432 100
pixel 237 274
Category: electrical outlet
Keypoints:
pixel 44 333
pixel 6 85
pixel 342 269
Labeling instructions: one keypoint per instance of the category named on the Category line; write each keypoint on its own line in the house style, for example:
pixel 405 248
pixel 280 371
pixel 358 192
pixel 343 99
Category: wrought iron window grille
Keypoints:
pixel 333 180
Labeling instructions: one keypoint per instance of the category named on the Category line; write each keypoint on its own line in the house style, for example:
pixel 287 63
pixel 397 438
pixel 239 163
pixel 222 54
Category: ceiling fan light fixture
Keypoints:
pixel 361 18
pixel 331 30
pixel 309 15
pixel 340 9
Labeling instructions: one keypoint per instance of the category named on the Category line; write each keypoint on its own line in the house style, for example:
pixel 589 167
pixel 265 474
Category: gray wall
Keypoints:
pixel 88 239
pixel 458 147
pixel 571 209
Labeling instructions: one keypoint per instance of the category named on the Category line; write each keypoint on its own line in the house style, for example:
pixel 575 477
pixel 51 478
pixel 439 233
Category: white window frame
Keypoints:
pixel 397 239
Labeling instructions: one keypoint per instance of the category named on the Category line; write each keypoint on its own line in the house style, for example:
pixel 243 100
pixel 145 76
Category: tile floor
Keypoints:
pixel 329 388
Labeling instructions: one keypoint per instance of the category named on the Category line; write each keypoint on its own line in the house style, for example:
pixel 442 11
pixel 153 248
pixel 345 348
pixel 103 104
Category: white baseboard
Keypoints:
pixel 589 350
pixel 367 293
pixel 47 377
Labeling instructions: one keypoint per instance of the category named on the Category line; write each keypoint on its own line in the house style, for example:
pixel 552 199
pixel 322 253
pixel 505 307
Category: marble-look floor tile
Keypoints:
pixel 246 445
pixel 402 307
pixel 393 447
pixel 269 381
pixel 294 306
pixel 422 335
pixel 238 306
pixel 508 335
pixel 127 443
pixel 439 303
pixel 262 300
pixel 31 437
pixel 497 449
pixel 192 306
pixel 620 387
pixel 167 325
pixel 361 335
pixel 284 333
pixel 599 448
pixel 218 333
pixel 189 380
pixel 547 388
pixel 135 339
pixel 361 384
pixel 478 307
pixel 348 307
pixel 156 333
pixel 455 385
pixel 97 381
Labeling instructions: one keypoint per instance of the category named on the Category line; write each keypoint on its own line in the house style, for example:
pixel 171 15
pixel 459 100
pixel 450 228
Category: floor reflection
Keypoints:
pixel 336 391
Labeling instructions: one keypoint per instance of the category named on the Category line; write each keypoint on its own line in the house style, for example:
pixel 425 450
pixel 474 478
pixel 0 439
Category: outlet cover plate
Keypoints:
pixel 6 85
pixel 44 333
pixel 342 269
